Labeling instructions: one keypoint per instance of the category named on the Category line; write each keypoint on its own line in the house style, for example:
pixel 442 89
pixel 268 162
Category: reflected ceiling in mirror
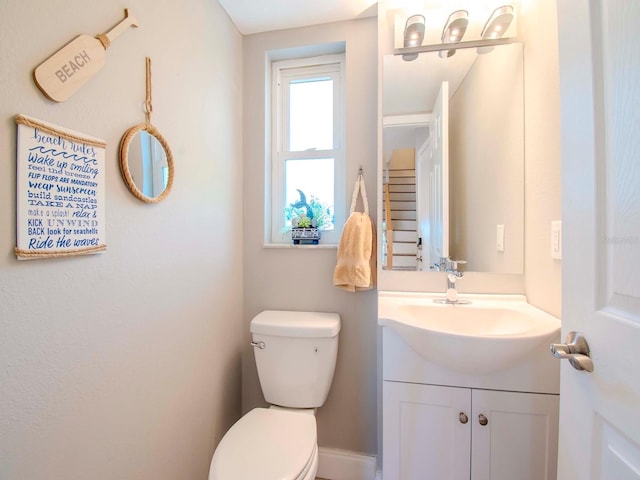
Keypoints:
pixel 485 161
pixel 146 163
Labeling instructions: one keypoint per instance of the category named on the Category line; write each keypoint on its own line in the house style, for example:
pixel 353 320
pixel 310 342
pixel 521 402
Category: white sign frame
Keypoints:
pixel 60 191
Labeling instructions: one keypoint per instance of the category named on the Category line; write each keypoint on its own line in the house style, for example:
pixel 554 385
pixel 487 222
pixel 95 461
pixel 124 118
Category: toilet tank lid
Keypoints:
pixel 283 323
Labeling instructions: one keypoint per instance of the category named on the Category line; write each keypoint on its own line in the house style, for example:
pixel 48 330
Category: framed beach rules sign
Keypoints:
pixel 60 191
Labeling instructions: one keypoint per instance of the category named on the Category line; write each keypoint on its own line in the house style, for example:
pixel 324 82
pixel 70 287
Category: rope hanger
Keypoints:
pixel 148 106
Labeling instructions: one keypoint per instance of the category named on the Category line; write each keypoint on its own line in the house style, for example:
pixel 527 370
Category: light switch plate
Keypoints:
pixel 500 238
pixel 556 240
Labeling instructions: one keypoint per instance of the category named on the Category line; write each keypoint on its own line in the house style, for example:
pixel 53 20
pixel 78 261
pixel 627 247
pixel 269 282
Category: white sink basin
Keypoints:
pixel 492 333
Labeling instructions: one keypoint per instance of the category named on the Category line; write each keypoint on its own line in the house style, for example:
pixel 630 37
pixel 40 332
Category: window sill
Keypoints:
pixel 322 246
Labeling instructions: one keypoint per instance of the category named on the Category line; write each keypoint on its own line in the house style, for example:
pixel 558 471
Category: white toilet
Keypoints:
pixel 296 356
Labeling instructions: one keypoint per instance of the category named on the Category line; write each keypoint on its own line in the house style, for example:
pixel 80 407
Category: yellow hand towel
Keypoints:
pixel 356 266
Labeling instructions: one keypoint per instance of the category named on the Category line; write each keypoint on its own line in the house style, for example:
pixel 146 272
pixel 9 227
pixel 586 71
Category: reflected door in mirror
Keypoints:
pixel 148 164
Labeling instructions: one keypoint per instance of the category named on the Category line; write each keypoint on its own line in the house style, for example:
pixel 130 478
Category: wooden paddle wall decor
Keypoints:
pixel 67 70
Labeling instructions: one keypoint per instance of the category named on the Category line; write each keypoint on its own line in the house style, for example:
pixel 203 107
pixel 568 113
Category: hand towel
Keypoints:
pixel 356 266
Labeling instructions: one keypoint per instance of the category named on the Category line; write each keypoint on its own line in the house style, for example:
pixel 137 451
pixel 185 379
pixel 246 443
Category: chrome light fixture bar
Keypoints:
pixel 496 26
pixel 454 30
pixel 413 35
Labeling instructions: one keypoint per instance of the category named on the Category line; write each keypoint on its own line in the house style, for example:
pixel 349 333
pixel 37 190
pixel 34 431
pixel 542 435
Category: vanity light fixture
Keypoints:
pixel 413 35
pixel 454 30
pixel 496 26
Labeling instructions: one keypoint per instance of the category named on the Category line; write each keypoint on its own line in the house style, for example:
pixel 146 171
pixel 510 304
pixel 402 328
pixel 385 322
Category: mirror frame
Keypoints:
pixel 124 161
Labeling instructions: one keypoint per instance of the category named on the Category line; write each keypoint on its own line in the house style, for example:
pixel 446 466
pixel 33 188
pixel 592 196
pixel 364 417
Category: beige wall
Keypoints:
pixel 301 279
pixel 542 153
pixel 126 364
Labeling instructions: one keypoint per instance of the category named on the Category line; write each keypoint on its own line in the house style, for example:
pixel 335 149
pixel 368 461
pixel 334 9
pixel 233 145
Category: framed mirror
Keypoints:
pixel 146 163
pixel 453 179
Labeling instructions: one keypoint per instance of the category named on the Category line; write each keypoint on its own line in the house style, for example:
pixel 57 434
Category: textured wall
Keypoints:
pixel 112 365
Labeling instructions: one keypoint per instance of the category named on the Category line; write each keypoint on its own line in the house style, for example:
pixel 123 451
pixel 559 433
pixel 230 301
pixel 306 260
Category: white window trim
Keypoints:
pixel 315 66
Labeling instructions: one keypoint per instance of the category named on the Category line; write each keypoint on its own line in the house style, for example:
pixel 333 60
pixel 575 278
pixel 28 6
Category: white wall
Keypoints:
pixel 301 279
pixel 543 189
pixel 486 163
pixel 126 364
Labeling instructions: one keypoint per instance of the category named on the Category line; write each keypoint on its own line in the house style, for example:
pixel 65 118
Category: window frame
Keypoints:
pixel 283 72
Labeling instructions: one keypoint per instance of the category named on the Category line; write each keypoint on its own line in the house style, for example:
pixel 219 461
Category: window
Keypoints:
pixel 307 166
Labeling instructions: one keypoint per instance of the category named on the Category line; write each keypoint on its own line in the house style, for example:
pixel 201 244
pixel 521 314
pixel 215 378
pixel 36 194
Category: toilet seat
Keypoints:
pixel 267 444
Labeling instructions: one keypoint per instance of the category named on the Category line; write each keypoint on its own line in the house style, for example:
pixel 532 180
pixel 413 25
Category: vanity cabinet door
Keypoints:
pixel 427 431
pixel 514 436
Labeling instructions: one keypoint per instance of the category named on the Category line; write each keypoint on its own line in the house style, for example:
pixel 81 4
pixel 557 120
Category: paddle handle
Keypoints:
pixel 128 21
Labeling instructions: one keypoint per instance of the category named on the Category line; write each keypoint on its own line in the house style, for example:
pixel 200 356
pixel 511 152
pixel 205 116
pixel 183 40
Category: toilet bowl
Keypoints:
pixel 295 354
pixel 268 444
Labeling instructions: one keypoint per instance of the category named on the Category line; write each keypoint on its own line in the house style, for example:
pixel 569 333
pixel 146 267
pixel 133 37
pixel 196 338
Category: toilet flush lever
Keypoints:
pixel 259 345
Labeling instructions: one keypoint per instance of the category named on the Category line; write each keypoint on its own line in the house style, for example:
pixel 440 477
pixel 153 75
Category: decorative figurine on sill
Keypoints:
pixel 306 218
pixel 302 203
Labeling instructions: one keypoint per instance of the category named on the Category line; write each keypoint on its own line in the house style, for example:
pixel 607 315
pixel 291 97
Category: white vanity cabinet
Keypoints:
pixel 453 433
pixel 440 424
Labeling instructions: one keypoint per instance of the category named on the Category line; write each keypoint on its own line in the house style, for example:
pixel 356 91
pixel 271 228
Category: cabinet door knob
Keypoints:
pixel 482 420
pixel 463 418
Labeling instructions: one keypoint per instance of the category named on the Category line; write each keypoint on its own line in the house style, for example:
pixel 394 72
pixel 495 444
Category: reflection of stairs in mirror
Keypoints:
pixel 402 210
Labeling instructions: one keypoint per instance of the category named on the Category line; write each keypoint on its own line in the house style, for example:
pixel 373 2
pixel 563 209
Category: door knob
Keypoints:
pixel 463 418
pixel 576 350
pixel 482 420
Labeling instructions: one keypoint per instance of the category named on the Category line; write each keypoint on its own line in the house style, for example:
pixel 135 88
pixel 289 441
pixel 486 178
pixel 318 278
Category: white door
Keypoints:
pixel 599 41
pixel 439 177
pixel 423 194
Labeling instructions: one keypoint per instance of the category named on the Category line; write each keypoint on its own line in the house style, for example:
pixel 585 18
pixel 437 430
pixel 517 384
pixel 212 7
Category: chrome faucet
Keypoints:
pixel 452 269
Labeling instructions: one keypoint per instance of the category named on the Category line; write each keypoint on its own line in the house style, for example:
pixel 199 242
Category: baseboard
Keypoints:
pixel 335 464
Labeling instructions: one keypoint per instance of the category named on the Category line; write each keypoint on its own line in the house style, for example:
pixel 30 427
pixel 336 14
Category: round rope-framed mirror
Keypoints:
pixel 146 163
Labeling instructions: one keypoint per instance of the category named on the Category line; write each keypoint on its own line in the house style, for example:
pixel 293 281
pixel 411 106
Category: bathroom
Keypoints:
pixel 133 363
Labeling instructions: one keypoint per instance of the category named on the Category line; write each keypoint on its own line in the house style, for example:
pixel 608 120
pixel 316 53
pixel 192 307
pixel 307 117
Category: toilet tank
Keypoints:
pixel 295 355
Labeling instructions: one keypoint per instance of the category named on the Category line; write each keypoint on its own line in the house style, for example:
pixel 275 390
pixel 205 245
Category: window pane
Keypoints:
pixel 311 115
pixel 309 188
